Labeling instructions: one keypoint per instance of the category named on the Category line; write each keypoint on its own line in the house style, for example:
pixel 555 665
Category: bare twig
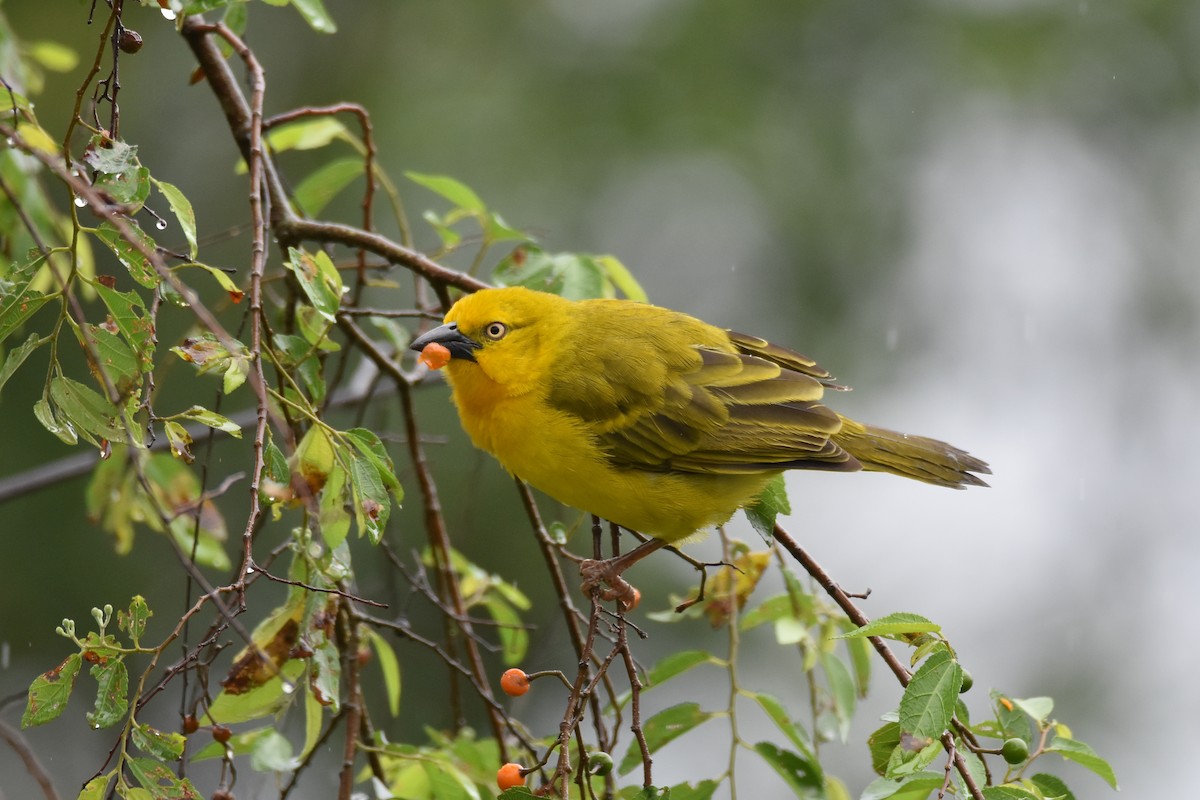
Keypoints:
pixel 33 766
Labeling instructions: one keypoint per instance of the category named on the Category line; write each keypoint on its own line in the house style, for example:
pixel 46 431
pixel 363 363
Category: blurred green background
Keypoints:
pixel 981 214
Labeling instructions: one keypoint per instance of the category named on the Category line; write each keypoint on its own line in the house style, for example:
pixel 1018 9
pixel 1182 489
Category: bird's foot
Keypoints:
pixel 607 573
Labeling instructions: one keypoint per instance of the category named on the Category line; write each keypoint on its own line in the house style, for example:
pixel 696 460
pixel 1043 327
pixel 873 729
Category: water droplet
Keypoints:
pixel 79 201
pixel 168 14
pixel 11 141
pixel 161 224
pixel 288 687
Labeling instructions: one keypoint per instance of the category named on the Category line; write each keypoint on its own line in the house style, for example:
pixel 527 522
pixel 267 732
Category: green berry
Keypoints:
pixel 967 683
pixel 1014 750
pixel 599 763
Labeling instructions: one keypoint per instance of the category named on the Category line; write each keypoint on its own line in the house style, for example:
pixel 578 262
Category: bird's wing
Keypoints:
pixel 703 408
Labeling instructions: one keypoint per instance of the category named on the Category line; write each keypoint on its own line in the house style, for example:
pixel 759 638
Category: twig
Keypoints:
pixel 33 766
pixel 858 618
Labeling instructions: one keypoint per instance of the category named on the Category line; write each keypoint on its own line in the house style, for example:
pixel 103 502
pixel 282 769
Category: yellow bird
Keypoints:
pixel 650 418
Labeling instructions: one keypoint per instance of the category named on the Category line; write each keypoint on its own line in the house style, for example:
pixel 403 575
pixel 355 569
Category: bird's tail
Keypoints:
pixel 917 457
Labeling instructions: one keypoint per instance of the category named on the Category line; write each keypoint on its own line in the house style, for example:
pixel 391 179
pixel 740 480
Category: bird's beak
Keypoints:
pixel 459 345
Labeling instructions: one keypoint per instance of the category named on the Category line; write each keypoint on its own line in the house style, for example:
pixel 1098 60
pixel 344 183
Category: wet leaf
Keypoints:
pixel 49 692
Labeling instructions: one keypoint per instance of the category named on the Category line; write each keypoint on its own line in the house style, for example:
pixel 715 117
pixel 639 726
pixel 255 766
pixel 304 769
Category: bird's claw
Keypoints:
pixel 599 572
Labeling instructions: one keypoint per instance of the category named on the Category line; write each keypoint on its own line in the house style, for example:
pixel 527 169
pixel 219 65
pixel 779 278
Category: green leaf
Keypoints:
pixel 571 275
pixel 333 518
pixel 803 775
pixel 10 99
pixel 894 625
pixel 181 207
pixel 778 714
pixel 458 193
pixel 928 701
pixel 18 305
pixel 882 743
pixel 663 728
pixel 315 191
pixel 318 278
pixel 134 621
pixel 128 313
pixel 1012 721
pixel 180 441
pixel 772 502
pixel 515 793
pixel 372 506
pixel 703 790
pixel 275 463
pixel 497 230
pixel 315 330
pixel 1051 787
pixel 315 15
pixel 676 664
pixel 370 446
pixel 49 692
pixel 259 702
pixel 16 357
pixel 325 672
pixel 1083 754
pixel 214 420
pixel 111 157
pixel 112 356
pixel 53 56
pixel 623 279
pixel 240 744
pixel 153 742
pixel 314 714
pixel 915 787
pixel 222 278
pixel 158 779
pixel 841 688
pixel 306 134
pixel 112 694
pixel 96 788
pixel 1008 793
pixel 119 173
pixel 44 413
pixel 835 789
pixel 87 410
pixel 272 752
pixel 390 666
pixel 913 755
pixel 1037 707
pixel 209 354
pixel 132 257
pixel 861 658
pixel 514 639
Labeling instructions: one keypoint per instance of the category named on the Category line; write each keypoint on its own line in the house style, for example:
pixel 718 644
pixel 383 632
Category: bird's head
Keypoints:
pixel 503 333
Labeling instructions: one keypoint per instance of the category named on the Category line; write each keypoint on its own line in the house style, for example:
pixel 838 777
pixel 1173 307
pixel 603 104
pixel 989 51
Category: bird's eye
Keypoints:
pixel 495 330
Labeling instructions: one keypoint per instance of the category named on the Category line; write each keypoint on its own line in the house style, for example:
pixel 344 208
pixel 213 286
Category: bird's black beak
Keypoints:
pixel 459 345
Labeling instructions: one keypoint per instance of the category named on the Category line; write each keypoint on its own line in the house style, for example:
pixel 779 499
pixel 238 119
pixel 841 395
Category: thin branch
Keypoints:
pixel 33 766
pixel 858 618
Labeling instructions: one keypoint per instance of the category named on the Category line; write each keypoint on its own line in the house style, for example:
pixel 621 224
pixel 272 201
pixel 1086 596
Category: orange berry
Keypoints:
pixel 190 724
pixel 514 682
pixel 509 776
pixel 434 355
pixel 221 733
